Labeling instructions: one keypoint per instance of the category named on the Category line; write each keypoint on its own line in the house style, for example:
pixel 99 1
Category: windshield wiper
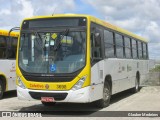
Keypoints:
pixel 58 40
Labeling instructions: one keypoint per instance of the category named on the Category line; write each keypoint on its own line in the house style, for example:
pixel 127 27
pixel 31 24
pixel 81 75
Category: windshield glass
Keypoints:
pixel 52 52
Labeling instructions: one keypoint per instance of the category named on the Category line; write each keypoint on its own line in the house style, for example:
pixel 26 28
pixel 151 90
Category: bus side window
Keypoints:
pixel 12 48
pixel 96 46
pixel 3 47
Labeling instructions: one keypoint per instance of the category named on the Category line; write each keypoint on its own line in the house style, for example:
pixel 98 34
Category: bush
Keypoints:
pixel 156 69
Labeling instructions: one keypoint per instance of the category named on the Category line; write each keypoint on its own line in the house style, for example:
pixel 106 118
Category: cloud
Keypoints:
pixel 138 16
pixel 27 8
pixel 48 7
pixel 13 12
pixel 134 15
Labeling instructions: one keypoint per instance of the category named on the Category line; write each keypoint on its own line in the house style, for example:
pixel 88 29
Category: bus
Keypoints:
pixel 78 59
pixel 8 47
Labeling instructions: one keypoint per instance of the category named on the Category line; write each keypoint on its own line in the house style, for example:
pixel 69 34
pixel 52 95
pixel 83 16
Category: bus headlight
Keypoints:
pixel 20 83
pixel 79 84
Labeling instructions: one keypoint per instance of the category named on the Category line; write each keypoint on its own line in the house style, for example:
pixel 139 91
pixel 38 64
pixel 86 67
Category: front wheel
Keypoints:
pixel 1 89
pixel 104 102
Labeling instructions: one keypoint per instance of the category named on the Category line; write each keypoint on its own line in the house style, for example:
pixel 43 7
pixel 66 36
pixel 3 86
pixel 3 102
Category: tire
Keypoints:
pixel 1 89
pixel 48 103
pixel 136 88
pixel 104 102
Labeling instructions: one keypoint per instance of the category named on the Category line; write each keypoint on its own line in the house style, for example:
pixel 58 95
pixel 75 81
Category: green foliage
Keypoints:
pixel 156 69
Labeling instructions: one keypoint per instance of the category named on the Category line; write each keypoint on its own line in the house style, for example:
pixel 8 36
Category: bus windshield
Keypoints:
pixel 52 51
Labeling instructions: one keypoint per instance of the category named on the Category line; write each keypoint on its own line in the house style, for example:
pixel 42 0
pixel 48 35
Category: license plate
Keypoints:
pixel 47 99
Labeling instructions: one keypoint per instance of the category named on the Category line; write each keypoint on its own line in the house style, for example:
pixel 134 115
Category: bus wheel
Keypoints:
pixel 136 88
pixel 104 102
pixel 1 89
pixel 48 103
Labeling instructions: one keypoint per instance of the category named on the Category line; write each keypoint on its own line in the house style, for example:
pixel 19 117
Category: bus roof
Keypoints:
pixel 96 20
pixel 5 33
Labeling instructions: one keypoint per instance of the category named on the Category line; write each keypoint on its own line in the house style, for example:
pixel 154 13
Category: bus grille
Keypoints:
pixel 56 96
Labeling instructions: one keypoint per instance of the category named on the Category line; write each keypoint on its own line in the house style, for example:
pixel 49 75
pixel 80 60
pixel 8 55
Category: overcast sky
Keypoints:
pixel 139 16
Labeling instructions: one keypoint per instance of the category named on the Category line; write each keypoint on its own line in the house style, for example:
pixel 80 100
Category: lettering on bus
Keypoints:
pixel 13 68
pixel 61 87
pixel 36 86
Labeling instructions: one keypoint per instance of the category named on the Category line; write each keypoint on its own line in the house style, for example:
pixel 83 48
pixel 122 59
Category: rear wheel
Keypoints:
pixel 48 103
pixel 104 102
pixel 1 89
pixel 136 88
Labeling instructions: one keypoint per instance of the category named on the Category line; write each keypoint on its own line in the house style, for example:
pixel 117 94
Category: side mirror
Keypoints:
pixel 97 39
pixel 97 34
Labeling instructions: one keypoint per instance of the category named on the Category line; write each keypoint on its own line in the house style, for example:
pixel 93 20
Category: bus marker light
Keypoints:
pixel 79 84
pixel 20 83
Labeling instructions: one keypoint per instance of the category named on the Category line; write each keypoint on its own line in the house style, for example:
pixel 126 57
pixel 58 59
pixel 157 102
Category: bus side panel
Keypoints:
pixel 97 79
pixel 132 71
pixel 123 74
pixel 122 71
pixel 8 69
pixel 144 70
pixel 117 68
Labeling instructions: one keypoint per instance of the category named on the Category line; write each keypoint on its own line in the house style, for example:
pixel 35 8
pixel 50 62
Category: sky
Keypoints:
pixel 141 17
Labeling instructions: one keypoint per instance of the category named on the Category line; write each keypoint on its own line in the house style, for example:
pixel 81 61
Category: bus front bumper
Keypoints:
pixel 78 96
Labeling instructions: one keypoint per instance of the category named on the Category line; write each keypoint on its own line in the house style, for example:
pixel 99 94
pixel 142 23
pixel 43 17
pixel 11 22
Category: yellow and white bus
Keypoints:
pixel 8 47
pixel 77 58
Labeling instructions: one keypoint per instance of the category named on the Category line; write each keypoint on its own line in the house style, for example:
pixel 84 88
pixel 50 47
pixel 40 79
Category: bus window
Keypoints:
pixel 109 44
pixel 96 45
pixel 119 45
pixel 12 47
pixel 3 45
pixel 127 47
pixel 140 50
pixel 134 49
pixel 147 56
pixel 144 51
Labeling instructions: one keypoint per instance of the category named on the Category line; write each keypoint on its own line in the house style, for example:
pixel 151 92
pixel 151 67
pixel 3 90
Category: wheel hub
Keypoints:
pixel 136 85
pixel 106 94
